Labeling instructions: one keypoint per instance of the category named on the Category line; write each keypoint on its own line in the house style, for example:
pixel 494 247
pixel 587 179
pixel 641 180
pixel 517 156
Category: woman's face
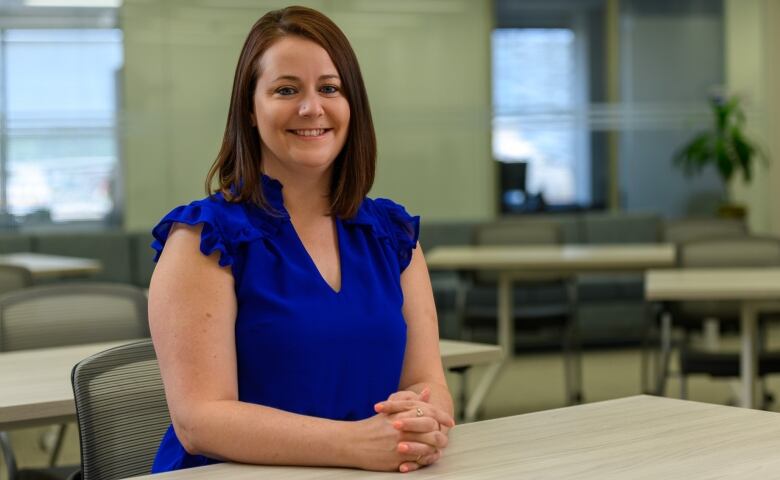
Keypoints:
pixel 299 109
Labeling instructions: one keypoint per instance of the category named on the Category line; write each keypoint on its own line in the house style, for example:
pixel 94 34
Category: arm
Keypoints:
pixel 422 384
pixel 192 311
pixel 422 360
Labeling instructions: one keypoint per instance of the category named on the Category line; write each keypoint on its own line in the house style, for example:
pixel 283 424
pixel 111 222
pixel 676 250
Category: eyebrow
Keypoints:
pixel 296 79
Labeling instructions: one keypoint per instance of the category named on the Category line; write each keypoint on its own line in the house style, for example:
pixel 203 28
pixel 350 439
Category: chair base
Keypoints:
pixel 724 364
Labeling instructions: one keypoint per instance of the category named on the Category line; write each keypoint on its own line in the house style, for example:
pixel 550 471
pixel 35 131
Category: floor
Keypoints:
pixel 528 383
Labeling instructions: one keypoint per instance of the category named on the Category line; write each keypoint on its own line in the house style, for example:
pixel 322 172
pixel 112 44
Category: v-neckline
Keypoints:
pixel 313 265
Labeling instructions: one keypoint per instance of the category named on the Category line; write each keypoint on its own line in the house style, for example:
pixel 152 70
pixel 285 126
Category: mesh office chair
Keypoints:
pixel 541 305
pixel 121 411
pixel 69 314
pixel 690 317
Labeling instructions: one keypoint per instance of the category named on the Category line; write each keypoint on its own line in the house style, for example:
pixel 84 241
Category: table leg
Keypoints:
pixel 748 355
pixel 506 340
pixel 666 352
pixel 481 391
pixel 573 358
pixel 506 321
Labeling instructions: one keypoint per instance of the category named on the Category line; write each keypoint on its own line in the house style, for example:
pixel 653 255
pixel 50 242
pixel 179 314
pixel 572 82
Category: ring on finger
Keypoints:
pixel 417 460
pixel 419 412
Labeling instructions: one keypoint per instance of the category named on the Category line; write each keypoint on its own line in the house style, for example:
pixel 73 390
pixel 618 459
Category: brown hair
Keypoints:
pixel 238 164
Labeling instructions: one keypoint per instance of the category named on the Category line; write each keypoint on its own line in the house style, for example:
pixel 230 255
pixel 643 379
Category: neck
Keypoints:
pixel 304 193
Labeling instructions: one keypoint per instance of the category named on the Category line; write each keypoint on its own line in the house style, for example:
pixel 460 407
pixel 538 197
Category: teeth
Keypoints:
pixel 310 133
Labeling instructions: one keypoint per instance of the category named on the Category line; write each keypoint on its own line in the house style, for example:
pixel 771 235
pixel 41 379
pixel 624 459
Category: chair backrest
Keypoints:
pixel 121 411
pixel 518 232
pixel 681 231
pixel 69 314
pixel 14 278
pixel 728 252
pixel 515 232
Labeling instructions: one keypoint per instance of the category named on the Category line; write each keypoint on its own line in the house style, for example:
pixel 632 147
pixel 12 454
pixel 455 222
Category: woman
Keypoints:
pixel 292 317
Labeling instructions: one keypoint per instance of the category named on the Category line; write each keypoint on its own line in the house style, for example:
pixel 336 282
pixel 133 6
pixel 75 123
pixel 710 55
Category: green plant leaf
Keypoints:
pixel 692 157
pixel 725 146
pixel 743 153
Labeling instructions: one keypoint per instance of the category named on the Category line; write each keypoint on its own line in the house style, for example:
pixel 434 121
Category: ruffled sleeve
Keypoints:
pixel 213 237
pixel 402 229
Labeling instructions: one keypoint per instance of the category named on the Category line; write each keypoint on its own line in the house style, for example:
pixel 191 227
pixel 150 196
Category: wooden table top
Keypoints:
pixel 634 438
pixel 45 266
pixel 565 258
pixel 35 384
pixel 713 284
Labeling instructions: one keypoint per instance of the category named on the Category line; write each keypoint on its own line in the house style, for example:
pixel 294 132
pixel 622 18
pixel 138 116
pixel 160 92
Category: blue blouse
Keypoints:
pixel 301 346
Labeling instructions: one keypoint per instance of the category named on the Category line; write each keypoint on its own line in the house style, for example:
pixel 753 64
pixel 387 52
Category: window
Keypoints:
pixel 535 105
pixel 58 124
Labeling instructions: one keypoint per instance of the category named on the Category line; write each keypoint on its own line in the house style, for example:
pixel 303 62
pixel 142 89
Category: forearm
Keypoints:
pixel 249 433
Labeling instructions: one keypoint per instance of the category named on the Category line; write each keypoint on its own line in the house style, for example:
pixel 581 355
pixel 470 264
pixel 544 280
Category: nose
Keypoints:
pixel 310 106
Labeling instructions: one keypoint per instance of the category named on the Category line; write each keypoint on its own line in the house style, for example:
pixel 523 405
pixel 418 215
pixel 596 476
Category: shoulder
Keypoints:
pixel 213 212
pixel 390 220
pixel 385 209
pixel 223 225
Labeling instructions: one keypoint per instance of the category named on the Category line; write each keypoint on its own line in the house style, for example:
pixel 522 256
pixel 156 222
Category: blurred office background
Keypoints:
pixel 564 111
pixel 111 111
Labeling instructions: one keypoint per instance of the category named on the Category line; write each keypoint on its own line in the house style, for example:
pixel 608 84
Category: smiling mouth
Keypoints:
pixel 310 132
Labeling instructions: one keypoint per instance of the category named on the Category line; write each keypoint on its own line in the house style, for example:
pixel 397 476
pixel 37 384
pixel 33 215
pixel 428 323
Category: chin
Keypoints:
pixel 312 164
pixel 312 160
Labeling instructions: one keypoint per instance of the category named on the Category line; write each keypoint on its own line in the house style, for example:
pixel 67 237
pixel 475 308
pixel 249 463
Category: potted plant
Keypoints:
pixel 725 146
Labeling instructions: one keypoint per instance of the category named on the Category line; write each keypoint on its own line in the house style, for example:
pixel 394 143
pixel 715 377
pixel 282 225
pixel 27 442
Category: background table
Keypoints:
pixel 756 289
pixel 52 266
pixel 631 438
pixel 455 354
pixel 458 356
pixel 527 262
pixel 35 384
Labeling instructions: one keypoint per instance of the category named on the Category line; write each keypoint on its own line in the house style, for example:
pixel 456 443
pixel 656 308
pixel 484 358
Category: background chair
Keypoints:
pixel 689 229
pixel 14 278
pixel 71 314
pixel 543 307
pixel 679 232
pixel 721 316
pixel 68 314
pixel 121 411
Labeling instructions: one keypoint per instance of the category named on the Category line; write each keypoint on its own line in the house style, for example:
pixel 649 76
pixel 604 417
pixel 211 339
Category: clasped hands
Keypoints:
pixel 420 428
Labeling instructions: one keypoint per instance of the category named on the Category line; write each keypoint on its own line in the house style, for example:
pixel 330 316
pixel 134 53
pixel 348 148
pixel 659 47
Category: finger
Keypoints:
pixel 431 459
pixel 403 395
pixel 425 395
pixel 444 419
pixel 416 424
pixel 409 467
pixel 426 460
pixel 423 462
pixel 435 439
pixel 395 406
pixel 415 449
pixel 408 408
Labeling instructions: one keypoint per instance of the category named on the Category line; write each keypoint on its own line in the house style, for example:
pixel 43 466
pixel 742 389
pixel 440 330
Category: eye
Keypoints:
pixel 285 91
pixel 329 89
